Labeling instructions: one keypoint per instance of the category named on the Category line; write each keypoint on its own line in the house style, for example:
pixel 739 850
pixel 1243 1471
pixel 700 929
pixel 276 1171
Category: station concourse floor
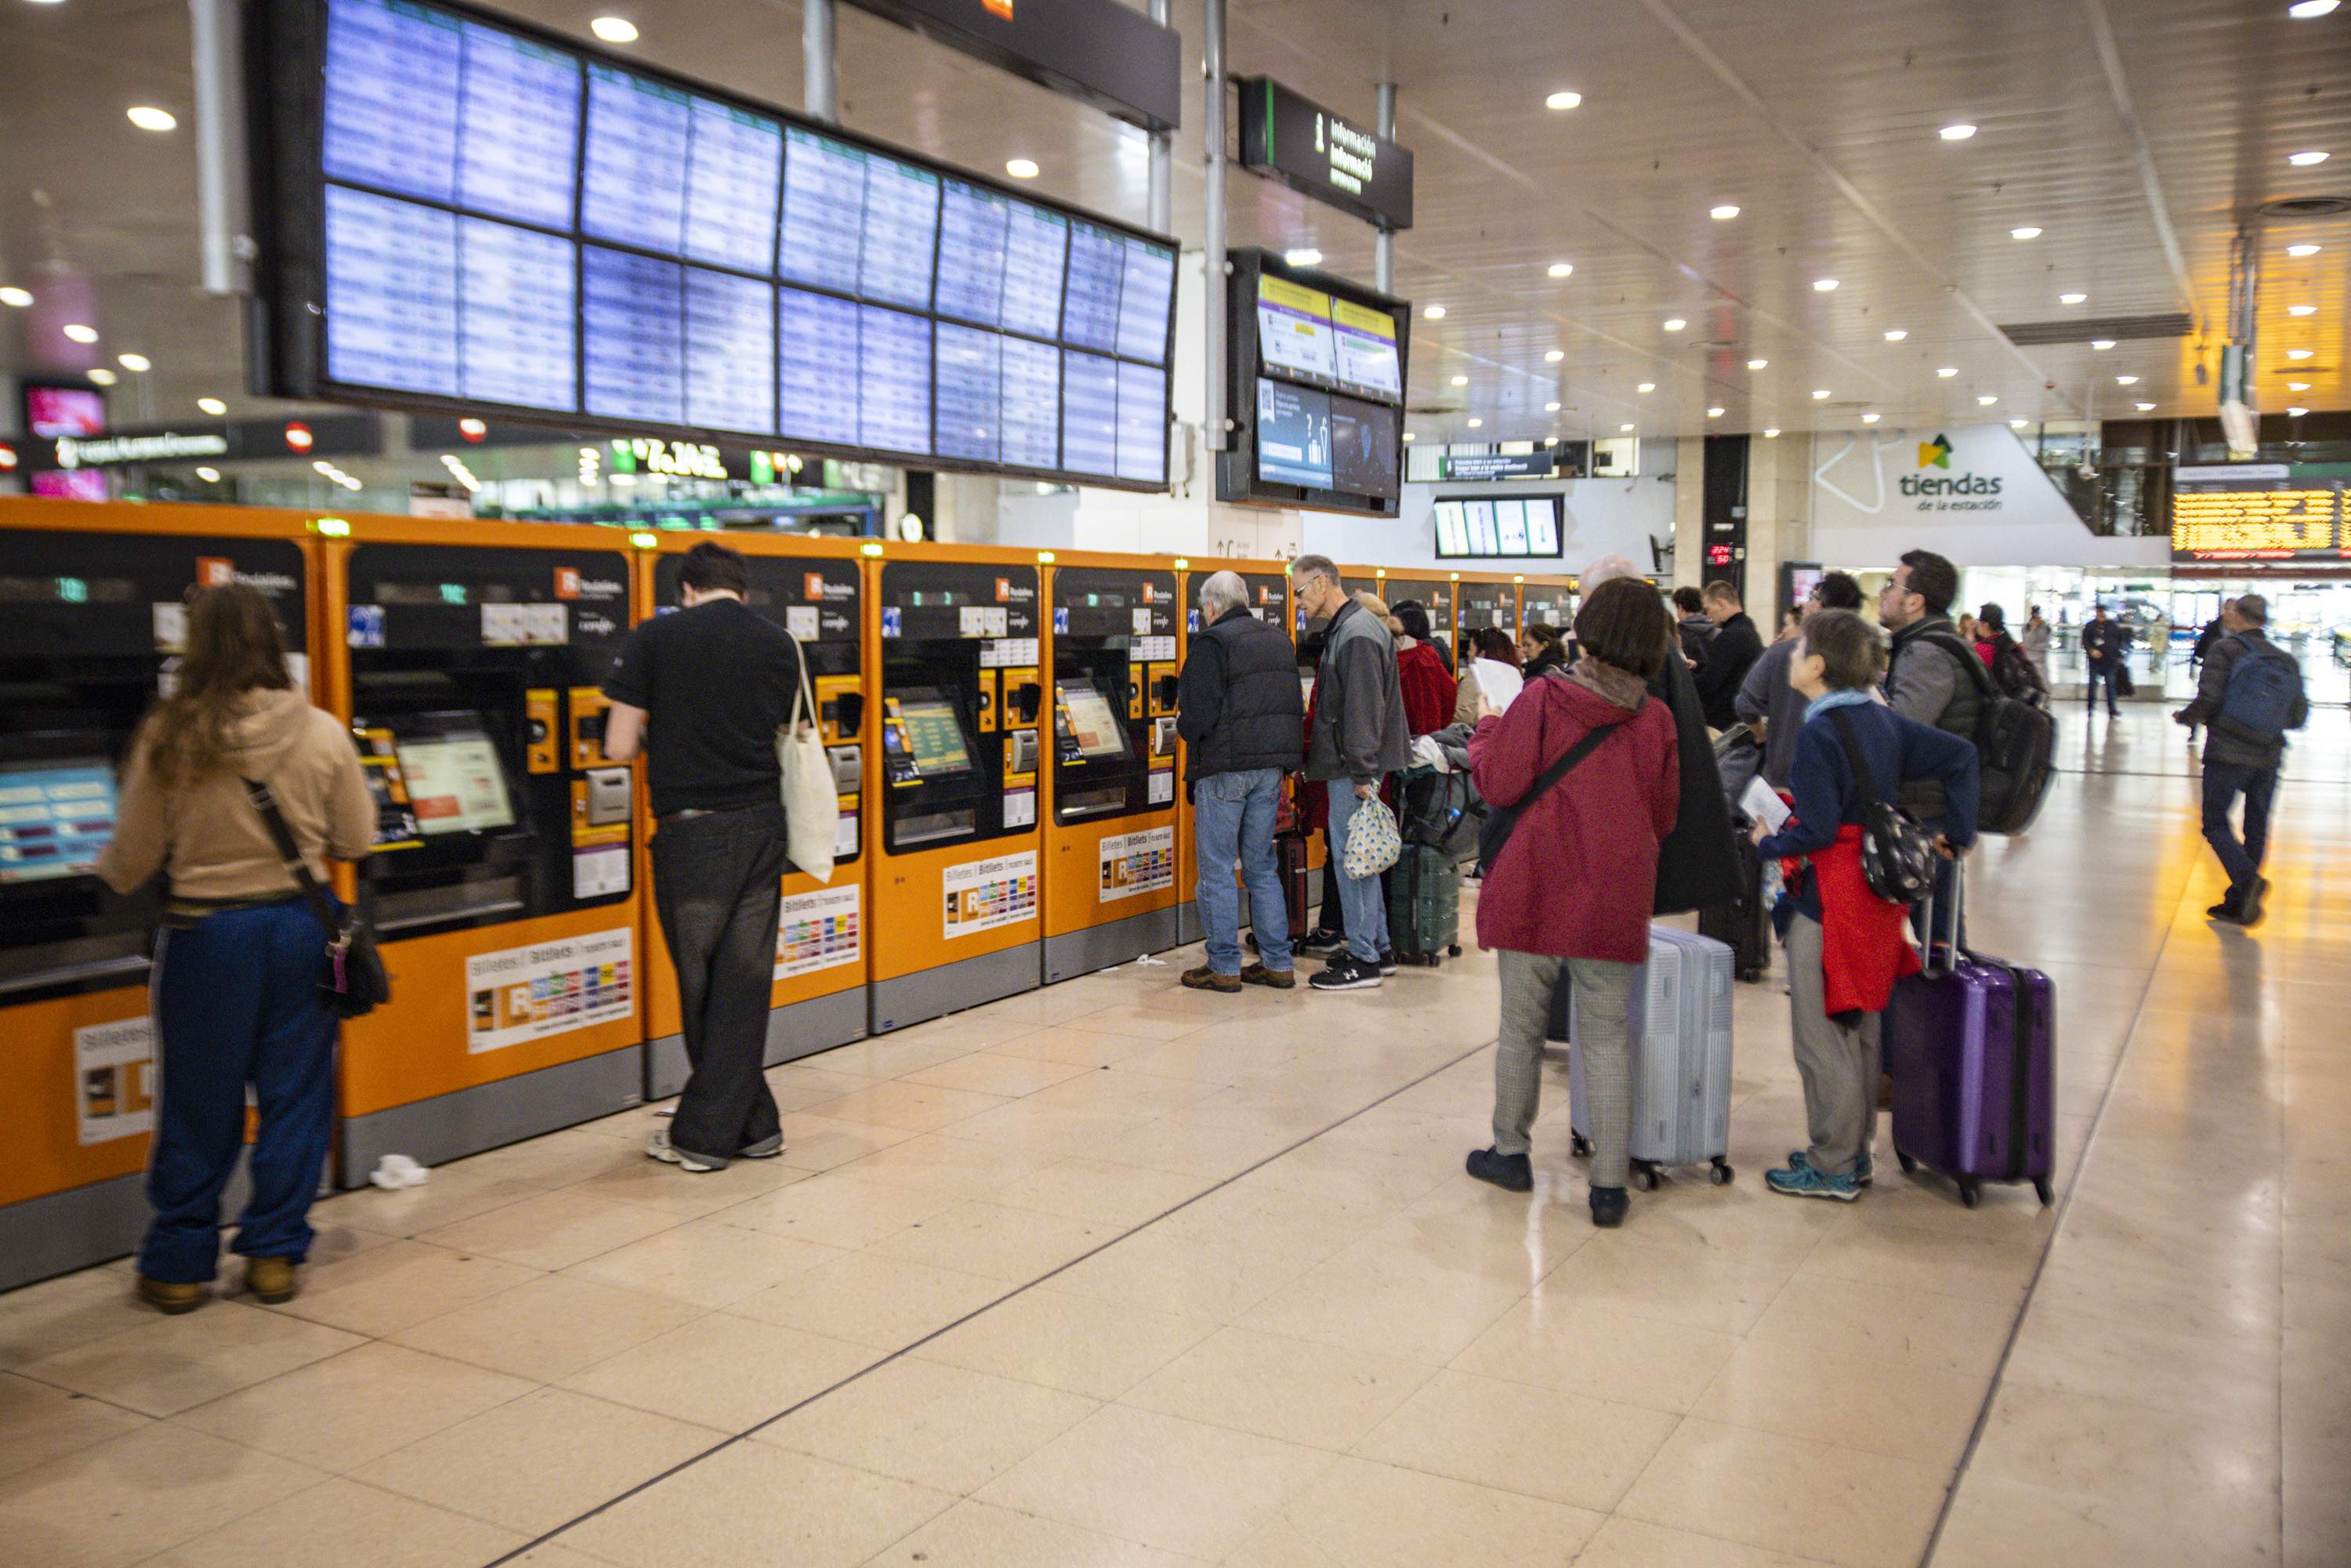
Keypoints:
pixel 1114 1273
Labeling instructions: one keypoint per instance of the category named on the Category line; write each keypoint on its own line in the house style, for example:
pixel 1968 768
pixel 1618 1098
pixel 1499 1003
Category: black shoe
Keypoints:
pixel 1347 974
pixel 1321 943
pixel 2224 910
pixel 1388 962
pixel 1608 1206
pixel 2251 912
pixel 1511 1173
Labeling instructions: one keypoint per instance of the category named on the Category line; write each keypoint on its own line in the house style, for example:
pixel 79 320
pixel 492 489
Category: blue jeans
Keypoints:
pixel 236 1002
pixel 2223 783
pixel 2104 670
pixel 1233 820
pixel 1367 907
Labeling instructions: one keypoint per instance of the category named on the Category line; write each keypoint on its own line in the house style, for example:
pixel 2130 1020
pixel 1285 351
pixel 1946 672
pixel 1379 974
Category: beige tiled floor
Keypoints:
pixel 1118 1274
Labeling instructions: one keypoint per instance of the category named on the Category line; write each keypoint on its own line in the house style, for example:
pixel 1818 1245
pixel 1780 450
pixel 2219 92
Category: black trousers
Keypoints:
pixel 716 885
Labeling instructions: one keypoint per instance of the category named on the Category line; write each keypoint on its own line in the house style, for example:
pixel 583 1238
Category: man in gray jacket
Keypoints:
pixel 1359 737
pixel 2244 746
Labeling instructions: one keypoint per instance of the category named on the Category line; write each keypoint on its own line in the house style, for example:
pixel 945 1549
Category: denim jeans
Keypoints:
pixel 2223 783
pixel 1367 909
pixel 2103 670
pixel 718 887
pixel 1233 820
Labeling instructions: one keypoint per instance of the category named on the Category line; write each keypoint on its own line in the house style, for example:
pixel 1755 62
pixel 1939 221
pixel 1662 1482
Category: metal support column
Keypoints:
pixel 1163 156
pixel 1212 261
pixel 1384 242
pixel 821 95
pixel 225 228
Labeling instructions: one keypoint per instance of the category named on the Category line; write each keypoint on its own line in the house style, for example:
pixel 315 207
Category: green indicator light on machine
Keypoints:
pixel 335 527
pixel 73 590
pixel 763 469
pixel 644 541
pixel 453 593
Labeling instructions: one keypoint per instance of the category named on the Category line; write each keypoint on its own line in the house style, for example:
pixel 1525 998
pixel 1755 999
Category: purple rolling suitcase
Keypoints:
pixel 1972 1050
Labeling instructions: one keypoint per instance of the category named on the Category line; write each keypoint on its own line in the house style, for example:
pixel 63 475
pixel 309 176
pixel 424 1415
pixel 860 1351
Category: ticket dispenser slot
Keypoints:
pixel 542 745
pixel 588 707
pixel 840 709
pixel 848 763
pixel 608 797
pixel 1163 685
pixel 1024 698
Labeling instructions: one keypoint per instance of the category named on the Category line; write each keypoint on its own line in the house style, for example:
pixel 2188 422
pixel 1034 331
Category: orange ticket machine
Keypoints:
pixel 92 608
pixel 814 588
pixel 467 658
pixel 1549 599
pixel 1267 582
pixel 1111 763
pixel 1432 590
pixel 1485 600
pixel 956 638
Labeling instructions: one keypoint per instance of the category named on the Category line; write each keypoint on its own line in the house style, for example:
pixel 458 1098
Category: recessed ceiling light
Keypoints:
pixel 1307 257
pixel 209 475
pixel 139 362
pixel 1722 213
pixel 1714 413
pixel 2144 407
pixel 2297 386
pixel 2027 232
pixel 1772 433
pixel 1555 356
pixel 1896 334
pixel 1461 381
pixel 1675 323
pixel 2072 299
pixel 2305 160
pixel 1550 408
pixel 20 298
pixel 1646 387
pixel 146 116
pixel 1476 423
pixel 104 377
pixel 1946 371
pixel 614 29
pixel 80 333
pixel 1021 168
pixel 2297 353
pixel 2102 344
pixel 1435 313
pixel 1820 394
pixel 2125 380
pixel 2302 310
pixel 1757 364
pixel 1561 269
pixel 1956 133
pixel 1869 419
pixel 2016 423
pixel 2302 250
pixel 1412 435
pixel 2295 412
pixel 1562 100
pixel 1627 429
pixel 2305 9
pixel 1985 399
pixel 212 405
pixel 1823 285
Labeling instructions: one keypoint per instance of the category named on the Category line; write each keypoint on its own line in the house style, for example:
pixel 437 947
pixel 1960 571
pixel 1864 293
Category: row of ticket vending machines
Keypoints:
pixel 1001 725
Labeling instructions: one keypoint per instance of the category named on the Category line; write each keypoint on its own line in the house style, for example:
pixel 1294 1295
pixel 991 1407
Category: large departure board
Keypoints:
pixel 469 213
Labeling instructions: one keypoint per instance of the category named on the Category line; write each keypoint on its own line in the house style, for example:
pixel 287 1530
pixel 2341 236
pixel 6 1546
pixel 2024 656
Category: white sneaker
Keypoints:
pixel 657 1146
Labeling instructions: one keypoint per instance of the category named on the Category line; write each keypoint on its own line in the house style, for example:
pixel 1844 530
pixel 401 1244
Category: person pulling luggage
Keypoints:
pixel 1845 943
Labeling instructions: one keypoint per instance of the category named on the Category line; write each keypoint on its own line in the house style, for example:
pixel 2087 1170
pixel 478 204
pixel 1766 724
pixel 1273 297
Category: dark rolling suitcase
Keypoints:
pixel 1972 1051
pixel 1742 924
pixel 1424 906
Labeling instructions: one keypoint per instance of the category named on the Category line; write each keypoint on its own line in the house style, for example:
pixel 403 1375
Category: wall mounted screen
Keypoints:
pixel 1498 527
pixel 468 215
pixel 1317 377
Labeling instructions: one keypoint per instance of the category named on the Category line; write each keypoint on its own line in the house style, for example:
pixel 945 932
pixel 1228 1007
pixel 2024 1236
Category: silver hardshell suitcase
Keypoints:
pixel 1680 1045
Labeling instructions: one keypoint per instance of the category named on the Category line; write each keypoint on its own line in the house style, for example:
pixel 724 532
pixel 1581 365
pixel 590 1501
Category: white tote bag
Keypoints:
pixel 812 801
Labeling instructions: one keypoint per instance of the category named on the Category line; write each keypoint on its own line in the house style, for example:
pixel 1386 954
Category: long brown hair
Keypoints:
pixel 234 646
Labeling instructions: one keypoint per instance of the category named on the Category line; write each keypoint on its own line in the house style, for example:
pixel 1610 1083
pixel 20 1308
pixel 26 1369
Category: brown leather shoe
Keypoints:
pixel 1279 979
pixel 171 1296
pixel 1206 979
pixel 272 1281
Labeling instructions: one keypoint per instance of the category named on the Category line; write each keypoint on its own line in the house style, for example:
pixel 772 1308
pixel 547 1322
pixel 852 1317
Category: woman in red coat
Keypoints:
pixel 1572 887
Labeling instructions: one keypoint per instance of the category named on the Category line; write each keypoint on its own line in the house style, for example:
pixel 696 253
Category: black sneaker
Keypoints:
pixel 2251 913
pixel 1388 963
pixel 1321 943
pixel 2224 910
pixel 1346 974
pixel 1511 1173
pixel 1608 1206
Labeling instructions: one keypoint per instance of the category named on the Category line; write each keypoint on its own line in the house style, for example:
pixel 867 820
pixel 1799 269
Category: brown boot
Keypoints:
pixel 1206 979
pixel 272 1281
pixel 171 1296
pixel 1279 979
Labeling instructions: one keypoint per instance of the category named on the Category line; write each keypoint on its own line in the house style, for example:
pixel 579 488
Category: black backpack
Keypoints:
pixel 2014 741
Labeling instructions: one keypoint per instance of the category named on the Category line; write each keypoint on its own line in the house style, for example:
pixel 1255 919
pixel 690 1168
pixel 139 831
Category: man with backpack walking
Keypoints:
pixel 2249 695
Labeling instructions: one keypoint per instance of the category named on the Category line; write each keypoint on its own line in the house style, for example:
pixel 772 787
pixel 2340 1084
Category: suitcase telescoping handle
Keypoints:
pixel 1935 909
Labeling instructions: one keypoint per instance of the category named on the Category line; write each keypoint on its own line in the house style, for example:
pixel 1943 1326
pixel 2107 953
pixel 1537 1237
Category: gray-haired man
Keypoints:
pixel 1243 724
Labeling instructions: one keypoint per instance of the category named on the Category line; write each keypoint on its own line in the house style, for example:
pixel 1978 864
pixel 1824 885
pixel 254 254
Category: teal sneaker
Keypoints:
pixel 1803 1181
pixel 1864 1172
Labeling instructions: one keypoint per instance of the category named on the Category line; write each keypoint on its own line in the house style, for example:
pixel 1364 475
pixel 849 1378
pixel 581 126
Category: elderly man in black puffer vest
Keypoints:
pixel 1242 717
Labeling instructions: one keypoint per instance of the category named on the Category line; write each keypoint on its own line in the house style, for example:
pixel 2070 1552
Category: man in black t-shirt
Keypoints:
pixel 702 693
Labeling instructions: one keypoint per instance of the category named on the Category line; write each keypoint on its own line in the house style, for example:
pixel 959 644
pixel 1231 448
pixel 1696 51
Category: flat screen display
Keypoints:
pixel 492 216
pixel 1294 436
pixel 934 732
pixel 1504 528
pixel 1363 341
pixel 455 782
pixel 1293 330
pixel 1088 724
pixel 1364 448
pixel 53 412
pixel 55 818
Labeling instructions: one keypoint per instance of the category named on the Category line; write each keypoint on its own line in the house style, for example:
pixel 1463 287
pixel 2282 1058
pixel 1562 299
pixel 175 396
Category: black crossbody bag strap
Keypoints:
pixel 1852 755
pixel 265 804
pixel 1565 765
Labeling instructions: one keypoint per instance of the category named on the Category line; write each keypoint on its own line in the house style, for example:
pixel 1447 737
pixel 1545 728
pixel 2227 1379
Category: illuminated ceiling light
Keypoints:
pixel 80 333
pixel 1772 433
pixel 1646 387
pixel 2125 380
pixel 1956 133
pixel 1869 419
pixel 1026 168
pixel 614 29
pixel 1946 371
pixel 1434 313
pixel 1723 214
pixel 1627 429
pixel 1476 423
pixel 1824 285
pixel 2072 299
pixel 1309 256
pixel 1561 269
pixel 2102 344
pixel 2305 9
pixel 1550 408
pixel 2302 250
pixel 135 362
pixel 2302 310
pixel 2144 407
pixel 2305 160
pixel 1896 334
pixel 2295 412
pixel 2297 386
pixel 104 377
pixel 146 116
pixel 2297 353
pixel 1714 413
pixel 213 406
pixel 1757 364
pixel 2027 232
pixel 323 466
pixel 472 429
pixel 19 298
pixel 1555 356
pixel 1820 394
pixel 2016 423
pixel 1461 381
pixel 1985 399
pixel 209 475
pixel 1562 100
pixel 1412 435
pixel 1675 323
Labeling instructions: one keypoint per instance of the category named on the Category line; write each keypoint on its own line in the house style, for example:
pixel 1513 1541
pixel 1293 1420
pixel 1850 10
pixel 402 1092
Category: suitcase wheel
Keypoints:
pixel 1908 1165
pixel 1750 975
pixel 1454 951
pixel 1969 1193
pixel 1578 1145
pixel 1645 1176
pixel 1720 1173
pixel 2041 1190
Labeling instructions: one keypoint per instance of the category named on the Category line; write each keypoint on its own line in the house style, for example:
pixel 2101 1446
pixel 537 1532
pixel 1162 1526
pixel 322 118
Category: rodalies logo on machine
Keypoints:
pixel 570 584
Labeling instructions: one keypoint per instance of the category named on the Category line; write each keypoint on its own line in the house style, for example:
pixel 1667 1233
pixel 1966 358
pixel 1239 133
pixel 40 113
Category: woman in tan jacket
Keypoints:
pixel 238 964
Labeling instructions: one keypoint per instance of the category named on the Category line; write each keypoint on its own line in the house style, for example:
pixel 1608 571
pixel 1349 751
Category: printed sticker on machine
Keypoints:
pixel 1135 864
pixel 523 994
pixel 114 1079
pixel 986 893
pixel 819 930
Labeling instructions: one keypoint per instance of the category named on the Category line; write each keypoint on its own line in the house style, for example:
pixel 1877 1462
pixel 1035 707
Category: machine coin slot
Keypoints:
pixel 1167 687
pixel 542 748
pixel 1021 751
pixel 588 707
pixel 988 701
pixel 1023 699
